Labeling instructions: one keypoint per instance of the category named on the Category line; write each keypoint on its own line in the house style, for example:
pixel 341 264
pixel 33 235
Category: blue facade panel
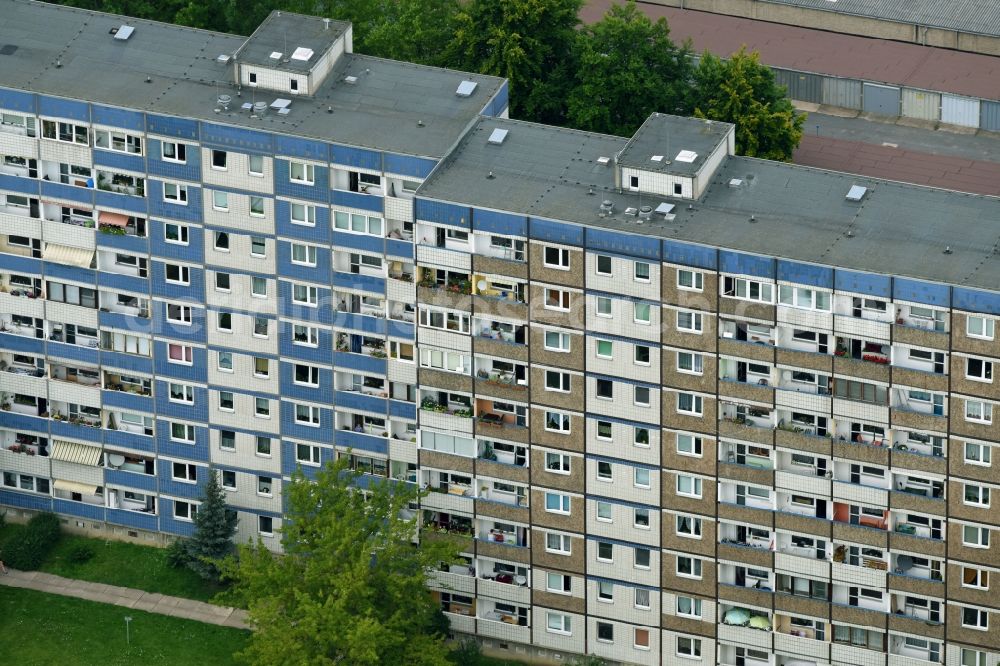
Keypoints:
pixel 359 362
pixel 361 442
pixel 290 428
pixel 318 191
pixel 112 117
pixel 400 329
pixel 169 486
pixel 916 291
pixel 688 254
pixel 21 343
pixel 159 207
pixel 24 422
pixel 298 147
pixel 134 519
pixel 129 402
pixel 319 354
pixel 24 265
pixel 133 204
pixel 165 407
pixel 809 274
pixel 73 352
pixel 359 322
pixel 399 248
pixel 440 212
pixel 120 282
pixel 129 440
pixel 172 127
pixel 357 281
pixel 236 138
pixel 17 100
pixel 631 245
pixel 125 322
pixel 18 184
pixel 75 430
pixel 194 251
pixel 555 232
pixel 406 165
pixel 116 160
pixel 973 300
pixel 142 365
pixel 374 203
pixel 63 108
pixel 355 157
pixel 403 410
pixel 135 480
pixel 170 170
pixel 863 283
pixel 53 190
pixel 198 451
pixel 362 242
pixel 193 332
pixel 55 271
pixel 499 223
pixel 739 263
pixel 289 308
pixel 25 500
pixel 293 271
pixel 360 402
pixel 194 291
pixel 318 233
pixel 79 509
pixel 136 244
pixel 196 371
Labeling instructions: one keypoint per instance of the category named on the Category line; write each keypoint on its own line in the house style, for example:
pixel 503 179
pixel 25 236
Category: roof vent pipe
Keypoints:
pixel 326 24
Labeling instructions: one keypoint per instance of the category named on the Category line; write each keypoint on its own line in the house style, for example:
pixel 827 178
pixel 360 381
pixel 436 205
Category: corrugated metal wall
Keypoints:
pixel 921 104
pixel 845 93
pixel 962 111
pixel 801 86
pixel 989 116
pixel 883 100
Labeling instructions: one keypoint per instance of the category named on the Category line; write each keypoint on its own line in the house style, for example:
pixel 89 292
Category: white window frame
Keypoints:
pixel 696 279
pixel 180 195
pixel 697 322
pixel 986 327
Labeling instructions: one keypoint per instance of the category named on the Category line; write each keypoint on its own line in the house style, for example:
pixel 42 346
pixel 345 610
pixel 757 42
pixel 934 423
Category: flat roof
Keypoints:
pixel 682 144
pixel 379 111
pixel 799 213
pixel 822 52
pixel 287 34
pixel 974 16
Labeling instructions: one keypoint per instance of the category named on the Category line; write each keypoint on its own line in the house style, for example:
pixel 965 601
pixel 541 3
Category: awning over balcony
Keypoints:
pixel 74 487
pixel 73 452
pixel 63 254
pixel 114 219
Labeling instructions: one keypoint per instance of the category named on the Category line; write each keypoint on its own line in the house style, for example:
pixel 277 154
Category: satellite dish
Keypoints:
pixel 481 285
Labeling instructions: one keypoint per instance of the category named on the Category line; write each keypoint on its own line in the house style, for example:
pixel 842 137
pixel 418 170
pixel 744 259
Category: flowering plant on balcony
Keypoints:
pixel 872 358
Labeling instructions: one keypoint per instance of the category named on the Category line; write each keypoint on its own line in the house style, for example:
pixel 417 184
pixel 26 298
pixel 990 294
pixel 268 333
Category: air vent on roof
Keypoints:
pixel 275 55
pixel 224 101
pixel 607 208
pixel 664 208
pixel 223 58
pixel 735 183
pixel 603 161
pixel 656 158
pixel 631 211
pixel 686 156
pixel 280 103
pixel 350 79
pixel 645 212
pixel 302 53
pixel 124 32
pixel 259 108
pixel 856 193
pixel 498 136
pixel 466 88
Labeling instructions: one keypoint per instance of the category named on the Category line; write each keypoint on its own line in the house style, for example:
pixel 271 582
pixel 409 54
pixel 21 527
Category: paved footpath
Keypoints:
pixel 127 597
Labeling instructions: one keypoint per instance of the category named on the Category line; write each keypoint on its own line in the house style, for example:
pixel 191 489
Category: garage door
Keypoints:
pixel 962 111
pixel 883 100
pixel 989 116
pixel 801 86
pixel 845 93
pixel 921 104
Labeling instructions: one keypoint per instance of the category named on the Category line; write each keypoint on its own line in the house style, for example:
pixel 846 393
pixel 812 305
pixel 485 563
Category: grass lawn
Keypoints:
pixel 40 629
pixel 126 565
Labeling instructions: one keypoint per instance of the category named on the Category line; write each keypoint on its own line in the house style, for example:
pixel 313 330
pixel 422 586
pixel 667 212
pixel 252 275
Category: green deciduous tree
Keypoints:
pixel 742 91
pixel 628 68
pixel 214 528
pixel 350 587
pixel 530 42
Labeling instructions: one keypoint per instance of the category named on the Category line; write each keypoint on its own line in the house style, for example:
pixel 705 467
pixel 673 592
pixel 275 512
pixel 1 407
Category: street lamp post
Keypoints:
pixel 128 636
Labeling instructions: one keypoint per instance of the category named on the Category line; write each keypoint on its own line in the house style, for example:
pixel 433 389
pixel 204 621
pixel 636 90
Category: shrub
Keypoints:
pixel 177 553
pixel 80 553
pixel 28 550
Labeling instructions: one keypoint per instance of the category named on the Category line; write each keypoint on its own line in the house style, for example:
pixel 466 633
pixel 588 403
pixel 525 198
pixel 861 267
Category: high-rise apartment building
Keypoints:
pixel 673 404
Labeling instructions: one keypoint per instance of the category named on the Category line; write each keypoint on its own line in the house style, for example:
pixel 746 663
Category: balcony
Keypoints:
pixel 27 445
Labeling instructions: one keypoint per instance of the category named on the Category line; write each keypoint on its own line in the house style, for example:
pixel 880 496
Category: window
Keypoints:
pixel 260 326
pixel 262 407
pixel 226 361
pixel 223 282
pixel 642 601
pixel 976 537
pixel 973 657
pixel 299 172
pixel 691 363
pixel 748 290
pixel 179 354
pixel 177 274
pixel 978 411
pixel 979 327
pixel 689 321
pixel 263 446
pixel 801 297
pixel 556 257
pixel 556 299
pixel 605 349
pixel 305 294
pixel 689 647
pixel 256 165
pixel 605 512
pixel 642 558
pixel 978 454
pixel 557 381
pixel 68 132
pixel 264 484
pixel 640 477
pixel 641 313
pixel 557 462
pixel 182 393
pixel 689 607
pixel 184 510
pixel 641 271
pixel 975 618
pixel 228 479
pixel 173 152
pixel 641 437
pixel 258 287
pixel 306 374
pixel 307 414
pixel 258 246
pixel 642 355
pixel 265 525
pixel 184 472
pixel 219 159
pixel 605 389
pixel 227 440
pixel 605 551
pixel 641 518
pixel 555 341
pixel 364 224
pixel 977 578
pixel 688 485
pixel 222 241
pixel 687 526
pixel 557 422
pixel 557 503
pixel 603 265
pixel 688 567
pixel 603 306
pixel 689 403
pixel 976 495
pixel 257 206
pixel 604 430
pixel 227 401
pixel 175 233
pixel 558 543
pixel 220 200
pixel 688 279
pixel 557 623
pixel 305 335
pixel 175 193
pixel 558 583
pixel 605 632
pixel 307 453
pixel 641 396
pixel 604 472
pixel 303 254
pixel 225 322
pixel 688 445
pixel 303 214
pixel 978 370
